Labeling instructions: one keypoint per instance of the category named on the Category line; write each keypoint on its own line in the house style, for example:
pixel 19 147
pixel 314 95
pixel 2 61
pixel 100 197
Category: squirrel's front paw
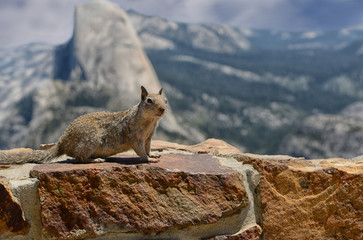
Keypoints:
pixel 154 158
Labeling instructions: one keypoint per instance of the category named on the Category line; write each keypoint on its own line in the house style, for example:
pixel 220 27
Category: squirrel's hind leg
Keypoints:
pixel 85 153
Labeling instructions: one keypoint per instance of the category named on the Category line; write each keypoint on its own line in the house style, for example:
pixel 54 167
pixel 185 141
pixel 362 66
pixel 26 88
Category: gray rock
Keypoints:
pixel 326 136
pixel 354 110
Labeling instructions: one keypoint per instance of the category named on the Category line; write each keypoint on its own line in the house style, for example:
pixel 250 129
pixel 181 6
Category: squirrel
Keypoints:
pixel 102 134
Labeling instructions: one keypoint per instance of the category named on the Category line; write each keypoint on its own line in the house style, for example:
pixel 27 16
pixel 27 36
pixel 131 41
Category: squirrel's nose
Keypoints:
pixel 161 110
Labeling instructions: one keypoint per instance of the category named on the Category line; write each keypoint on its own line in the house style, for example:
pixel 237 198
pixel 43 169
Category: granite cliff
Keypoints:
pixel 43 88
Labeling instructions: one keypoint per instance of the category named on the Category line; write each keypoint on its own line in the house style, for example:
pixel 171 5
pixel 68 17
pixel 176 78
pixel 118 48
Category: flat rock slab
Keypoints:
pixel 209 146
pixel 311 199
pixel 11 214
pixel 88 200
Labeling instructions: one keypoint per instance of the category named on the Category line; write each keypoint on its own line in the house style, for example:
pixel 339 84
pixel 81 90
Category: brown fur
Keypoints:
pixel 102 134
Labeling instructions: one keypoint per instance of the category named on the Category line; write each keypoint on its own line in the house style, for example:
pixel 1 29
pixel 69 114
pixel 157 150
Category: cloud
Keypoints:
pixel 23 21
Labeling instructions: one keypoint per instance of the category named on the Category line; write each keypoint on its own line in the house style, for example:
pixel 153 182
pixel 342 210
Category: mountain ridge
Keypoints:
pixel 45 87
pixel 252 88
pixel 254 96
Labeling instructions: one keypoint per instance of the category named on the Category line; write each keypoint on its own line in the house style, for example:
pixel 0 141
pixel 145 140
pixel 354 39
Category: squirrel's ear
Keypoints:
pixel 161 91
pixel 144 93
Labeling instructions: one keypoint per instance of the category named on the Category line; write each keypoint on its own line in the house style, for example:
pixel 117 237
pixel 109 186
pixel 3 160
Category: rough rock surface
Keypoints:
pixel 311 199
pixel 211 146
pixel 11 213
pixel 206 191
pixel 87 200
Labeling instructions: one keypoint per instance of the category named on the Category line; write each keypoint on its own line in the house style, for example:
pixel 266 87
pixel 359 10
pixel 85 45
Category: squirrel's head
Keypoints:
pixel 153 105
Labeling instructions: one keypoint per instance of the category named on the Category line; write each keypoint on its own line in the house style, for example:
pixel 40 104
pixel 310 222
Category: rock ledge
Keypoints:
pixel 206 191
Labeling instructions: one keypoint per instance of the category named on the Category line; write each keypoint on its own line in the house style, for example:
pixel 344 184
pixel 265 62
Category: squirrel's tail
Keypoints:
pixel 34 156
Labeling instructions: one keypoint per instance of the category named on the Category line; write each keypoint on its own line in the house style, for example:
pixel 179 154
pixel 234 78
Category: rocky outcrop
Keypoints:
pixel 206 191
pixel 106 51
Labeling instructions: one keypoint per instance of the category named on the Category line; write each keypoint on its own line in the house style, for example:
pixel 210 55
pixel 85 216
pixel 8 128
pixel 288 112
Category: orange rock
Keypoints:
pixel 189 191
pixel 179 191
pixel 310 199
pixel 15 150
pixel 208 146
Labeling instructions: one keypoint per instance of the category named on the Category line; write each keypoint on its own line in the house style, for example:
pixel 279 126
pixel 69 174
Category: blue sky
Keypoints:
pixel 51 21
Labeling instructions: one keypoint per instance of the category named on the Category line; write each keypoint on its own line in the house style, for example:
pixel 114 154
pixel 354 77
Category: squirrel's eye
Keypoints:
pixel 166 100
pixel 149 100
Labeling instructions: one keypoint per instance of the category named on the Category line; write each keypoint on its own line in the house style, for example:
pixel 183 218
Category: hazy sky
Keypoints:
pixel 51 21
